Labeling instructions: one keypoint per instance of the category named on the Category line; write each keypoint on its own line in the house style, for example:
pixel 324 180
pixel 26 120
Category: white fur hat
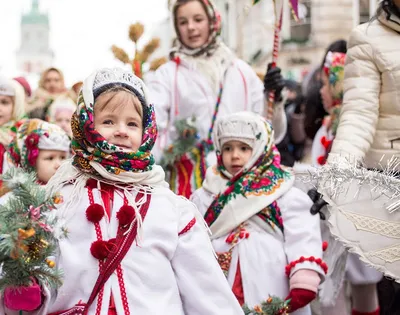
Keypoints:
pixel 6 88
pixel 54 139
pixel 240 128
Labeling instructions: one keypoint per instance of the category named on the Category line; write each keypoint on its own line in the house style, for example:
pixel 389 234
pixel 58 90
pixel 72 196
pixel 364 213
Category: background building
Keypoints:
pixel 34 54
pixel 321 22
pixel 249 30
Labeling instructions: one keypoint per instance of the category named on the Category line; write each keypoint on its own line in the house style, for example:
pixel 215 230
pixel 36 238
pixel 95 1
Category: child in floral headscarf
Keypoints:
pixel 132 245
pixel 362 278
pixel 12 109
pixel 267 241
pixel 41 147
pixel 332 97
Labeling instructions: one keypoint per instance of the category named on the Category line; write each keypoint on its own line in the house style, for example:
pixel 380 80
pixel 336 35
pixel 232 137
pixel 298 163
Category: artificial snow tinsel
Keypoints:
pixel 332 177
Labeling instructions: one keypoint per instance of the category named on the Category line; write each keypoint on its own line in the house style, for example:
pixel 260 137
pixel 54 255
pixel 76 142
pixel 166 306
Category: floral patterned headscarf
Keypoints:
pixel 215 30
pixel 91 149
pixel 334 69
pixel 255 189
pixel 34 135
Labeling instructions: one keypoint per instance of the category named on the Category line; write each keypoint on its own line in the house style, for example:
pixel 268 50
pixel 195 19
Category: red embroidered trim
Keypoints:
pixel 123 291
pixel 99 236
pixel 302 259
pixel 76 310
pixel 188 227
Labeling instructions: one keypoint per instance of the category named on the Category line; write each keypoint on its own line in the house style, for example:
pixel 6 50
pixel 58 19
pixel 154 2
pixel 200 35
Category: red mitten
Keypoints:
pixel 300 298
pixel 23 298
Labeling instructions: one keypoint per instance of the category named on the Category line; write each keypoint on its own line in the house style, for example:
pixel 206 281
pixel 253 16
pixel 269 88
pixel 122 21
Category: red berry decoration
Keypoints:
pixel 99 249
pixel 126 215
pixel 94 213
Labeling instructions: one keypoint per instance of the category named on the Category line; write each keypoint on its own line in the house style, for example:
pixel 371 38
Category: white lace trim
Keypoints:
pixel 118 75
pixel 372 225
pixel 390 254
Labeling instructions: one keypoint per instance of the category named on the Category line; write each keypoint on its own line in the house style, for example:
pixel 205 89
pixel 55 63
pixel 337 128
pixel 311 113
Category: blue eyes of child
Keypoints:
pixel 51 158
pixel 130 124
pixel 228 149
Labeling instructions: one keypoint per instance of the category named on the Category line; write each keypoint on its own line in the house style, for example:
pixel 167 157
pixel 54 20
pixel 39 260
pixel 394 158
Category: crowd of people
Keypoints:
pixel 223 224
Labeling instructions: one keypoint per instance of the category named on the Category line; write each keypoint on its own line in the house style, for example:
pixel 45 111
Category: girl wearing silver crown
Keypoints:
pixel 203 80
pixel 133 246
pixel 268 243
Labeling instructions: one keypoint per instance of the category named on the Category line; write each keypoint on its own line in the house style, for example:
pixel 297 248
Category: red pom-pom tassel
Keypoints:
pixel 324 246
pixel 321 160
pixel 126 215
pixel 94 213
pixel 99 249
pixel 303 259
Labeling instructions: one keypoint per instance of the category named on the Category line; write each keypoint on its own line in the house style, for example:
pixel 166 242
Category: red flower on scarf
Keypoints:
pixel 261 183
pixel 230 189
pixel 91 135
pixel 32 140
pixel 15 155
pixel 31 143
pixel 209 217
pixel 139 164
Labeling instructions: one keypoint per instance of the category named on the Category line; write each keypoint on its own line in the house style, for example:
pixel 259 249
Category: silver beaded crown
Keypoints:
pixel 118 75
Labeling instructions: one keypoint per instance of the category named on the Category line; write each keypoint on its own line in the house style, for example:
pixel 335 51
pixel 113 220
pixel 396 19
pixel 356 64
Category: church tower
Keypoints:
pixel 34 54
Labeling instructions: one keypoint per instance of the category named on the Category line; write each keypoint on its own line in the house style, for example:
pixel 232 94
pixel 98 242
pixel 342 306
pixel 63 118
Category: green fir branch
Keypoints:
pixel 272 306
pixel 26 239
pixel 186 141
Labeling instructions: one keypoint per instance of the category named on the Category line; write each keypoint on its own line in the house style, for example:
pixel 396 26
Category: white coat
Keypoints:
pixel 181 92
pixel 369 126
pixel 164 274
pixel 264 255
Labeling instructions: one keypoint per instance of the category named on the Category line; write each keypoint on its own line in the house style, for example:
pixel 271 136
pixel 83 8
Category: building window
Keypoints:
pixel 297 31
pixel 364 10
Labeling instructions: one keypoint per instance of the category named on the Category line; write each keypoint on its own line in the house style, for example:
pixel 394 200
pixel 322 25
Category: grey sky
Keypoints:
pixel 82 31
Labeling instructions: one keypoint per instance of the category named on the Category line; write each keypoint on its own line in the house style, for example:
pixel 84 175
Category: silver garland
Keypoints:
pixel 332 177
